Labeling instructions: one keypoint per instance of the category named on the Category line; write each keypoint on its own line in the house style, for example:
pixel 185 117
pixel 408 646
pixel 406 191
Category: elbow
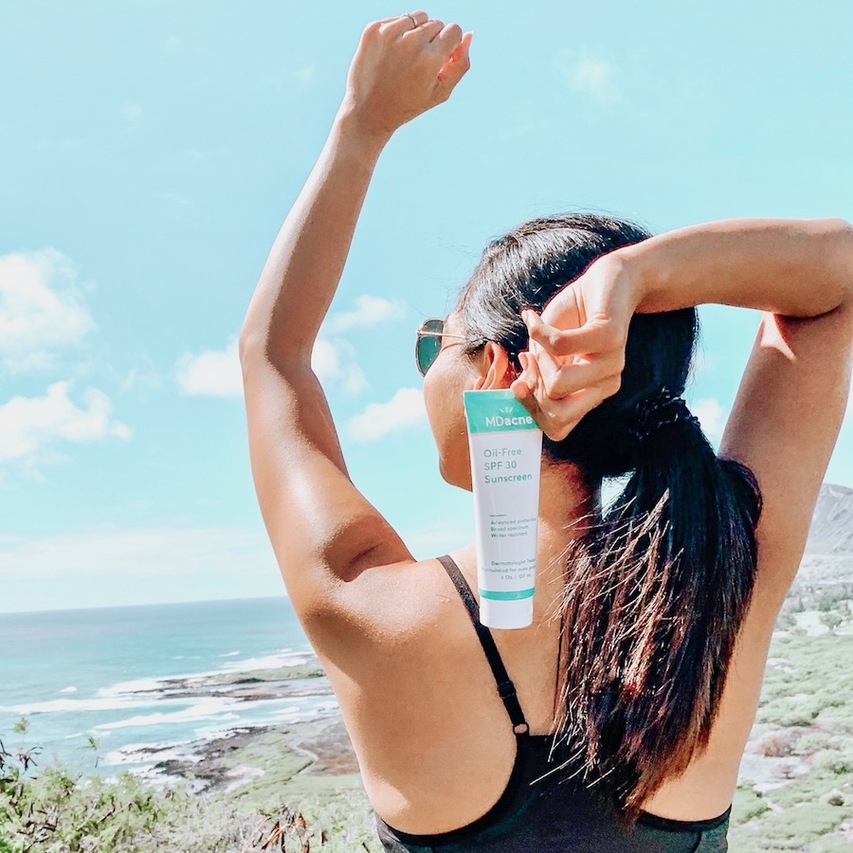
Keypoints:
pixel 833 250
pixel 842 231
pixel 845 239
pixel 250 342
pixel 255 328
pixel 846 230
pixel 256 344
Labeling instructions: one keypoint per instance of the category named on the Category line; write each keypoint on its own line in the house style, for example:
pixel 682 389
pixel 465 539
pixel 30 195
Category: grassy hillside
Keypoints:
pixel 796 779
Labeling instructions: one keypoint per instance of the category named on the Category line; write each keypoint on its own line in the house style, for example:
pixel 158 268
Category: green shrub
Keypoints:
pixel 747 804
pixel 831 618
pixel 50 809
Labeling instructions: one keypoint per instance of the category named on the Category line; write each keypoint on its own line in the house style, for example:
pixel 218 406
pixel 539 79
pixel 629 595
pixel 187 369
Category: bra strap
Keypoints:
pixel 506 689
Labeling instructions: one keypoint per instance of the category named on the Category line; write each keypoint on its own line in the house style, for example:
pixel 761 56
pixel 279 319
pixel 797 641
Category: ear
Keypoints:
pixel 497 370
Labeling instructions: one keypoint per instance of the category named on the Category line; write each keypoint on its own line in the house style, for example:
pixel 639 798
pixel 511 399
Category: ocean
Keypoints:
pixel 99 672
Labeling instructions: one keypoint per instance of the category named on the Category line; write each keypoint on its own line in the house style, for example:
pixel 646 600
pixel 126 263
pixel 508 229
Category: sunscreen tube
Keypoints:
pixel 505 445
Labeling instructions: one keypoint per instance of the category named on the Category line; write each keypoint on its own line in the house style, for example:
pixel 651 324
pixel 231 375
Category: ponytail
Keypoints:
pixel 657 589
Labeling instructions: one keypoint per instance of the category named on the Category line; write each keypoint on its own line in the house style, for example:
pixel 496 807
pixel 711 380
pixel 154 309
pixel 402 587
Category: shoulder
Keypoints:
pixel 382 612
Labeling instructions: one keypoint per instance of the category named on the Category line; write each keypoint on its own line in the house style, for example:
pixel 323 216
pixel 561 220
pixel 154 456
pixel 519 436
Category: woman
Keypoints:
pixel 617 720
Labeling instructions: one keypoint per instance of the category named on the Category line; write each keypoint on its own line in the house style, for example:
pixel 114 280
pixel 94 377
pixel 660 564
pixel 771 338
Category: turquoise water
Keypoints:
pixel 95 672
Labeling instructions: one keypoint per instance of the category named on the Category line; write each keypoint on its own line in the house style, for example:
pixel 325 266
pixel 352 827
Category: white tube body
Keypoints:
pixel 505 446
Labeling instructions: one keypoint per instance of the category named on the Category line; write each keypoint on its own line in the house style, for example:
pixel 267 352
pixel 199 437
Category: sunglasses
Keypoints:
pixel 428 343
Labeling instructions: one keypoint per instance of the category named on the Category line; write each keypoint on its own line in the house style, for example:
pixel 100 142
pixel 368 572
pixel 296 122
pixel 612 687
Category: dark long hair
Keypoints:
pixel 659 580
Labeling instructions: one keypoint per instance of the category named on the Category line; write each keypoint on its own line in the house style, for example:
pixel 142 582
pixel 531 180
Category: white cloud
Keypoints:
pixel 370 311
pixel 405 410
pixel 711 415
pixel 211 373
pixel 588 75
pixel 30 424
pixel 132 114
pixel 41 309
pixel 334 363
pixel 217 373
pixel 140 380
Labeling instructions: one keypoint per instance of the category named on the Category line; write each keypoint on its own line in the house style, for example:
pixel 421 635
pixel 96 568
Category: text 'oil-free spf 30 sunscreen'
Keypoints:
pixel 506 452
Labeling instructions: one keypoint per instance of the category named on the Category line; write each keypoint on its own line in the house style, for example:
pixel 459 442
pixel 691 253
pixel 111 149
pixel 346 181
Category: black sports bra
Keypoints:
pixel 538 810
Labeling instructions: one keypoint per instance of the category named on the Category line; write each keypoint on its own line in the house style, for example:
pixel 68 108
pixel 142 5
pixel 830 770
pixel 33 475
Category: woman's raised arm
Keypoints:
pixel 323 530
pixel 397 73
pixel 793 268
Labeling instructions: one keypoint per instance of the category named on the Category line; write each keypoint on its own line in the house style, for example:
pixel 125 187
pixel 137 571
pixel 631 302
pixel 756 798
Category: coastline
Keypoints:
pixel 255 764
pixel 268 740
pixel 261 764
pixel 260 756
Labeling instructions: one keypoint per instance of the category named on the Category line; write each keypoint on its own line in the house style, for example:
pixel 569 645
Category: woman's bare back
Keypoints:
pixel 435 744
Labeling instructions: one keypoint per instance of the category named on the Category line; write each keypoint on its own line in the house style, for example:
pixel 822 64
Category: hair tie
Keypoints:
pixel 651 413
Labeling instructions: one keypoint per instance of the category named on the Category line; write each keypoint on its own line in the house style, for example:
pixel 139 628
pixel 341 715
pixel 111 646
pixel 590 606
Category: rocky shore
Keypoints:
pixel 260 764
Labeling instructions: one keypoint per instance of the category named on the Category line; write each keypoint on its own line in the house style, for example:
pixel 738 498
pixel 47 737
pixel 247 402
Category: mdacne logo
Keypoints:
pixel 499 421
pixel 496 410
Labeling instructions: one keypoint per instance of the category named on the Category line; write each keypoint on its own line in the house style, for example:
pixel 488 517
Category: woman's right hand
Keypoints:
pixel 400 70
pixel 577 346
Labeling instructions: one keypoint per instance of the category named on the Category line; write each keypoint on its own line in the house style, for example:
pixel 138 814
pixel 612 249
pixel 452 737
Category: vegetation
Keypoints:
pixel 52 810
pixel 801 749
pixel 796 790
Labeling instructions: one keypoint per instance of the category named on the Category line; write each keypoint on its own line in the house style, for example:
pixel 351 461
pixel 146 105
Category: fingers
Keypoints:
pixel 564 415
pixel 448 40
pixel 589 338
pixel 558 395
pixel 519 386
pixel 428 56
pixel 428 31
pixel 400 24
pixel 458 61
pixel 461 52
pixel 449 37
pixel 560 380
pixel 556 418
pixel 560 418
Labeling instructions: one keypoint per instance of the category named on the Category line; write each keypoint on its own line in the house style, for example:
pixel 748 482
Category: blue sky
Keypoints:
pixel 150 152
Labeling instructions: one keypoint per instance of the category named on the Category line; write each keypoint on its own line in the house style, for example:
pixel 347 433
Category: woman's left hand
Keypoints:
pixel 577 346
pixel 400 71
